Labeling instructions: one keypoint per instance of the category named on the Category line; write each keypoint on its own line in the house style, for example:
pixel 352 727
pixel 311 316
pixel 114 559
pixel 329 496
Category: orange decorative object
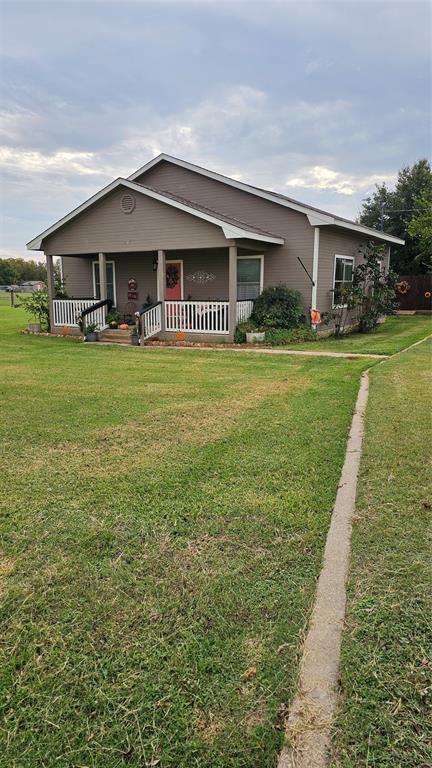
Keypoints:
pixel 427 294
pixel 65 330
pixel 315 316
pixel 180 336
pixel 123 327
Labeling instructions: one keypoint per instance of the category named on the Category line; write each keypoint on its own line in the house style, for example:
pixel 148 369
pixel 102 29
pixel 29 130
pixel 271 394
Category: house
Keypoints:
pixel 32 285
pixel 197 248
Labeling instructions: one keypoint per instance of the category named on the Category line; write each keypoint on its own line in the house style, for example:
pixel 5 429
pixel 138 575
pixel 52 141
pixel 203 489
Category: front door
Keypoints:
pixel 174 281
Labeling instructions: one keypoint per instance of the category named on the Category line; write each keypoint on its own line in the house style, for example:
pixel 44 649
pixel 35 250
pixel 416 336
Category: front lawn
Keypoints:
pixel 390 337
pixel 163 521
pixel 386 663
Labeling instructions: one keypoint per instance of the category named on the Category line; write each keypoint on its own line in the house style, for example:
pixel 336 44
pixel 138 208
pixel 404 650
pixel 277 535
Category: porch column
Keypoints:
pixel 50 288
pixel 102 276
pixel 160 283
pixel 232 291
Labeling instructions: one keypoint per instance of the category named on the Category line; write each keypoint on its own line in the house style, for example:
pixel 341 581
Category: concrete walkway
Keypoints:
pixel 259 350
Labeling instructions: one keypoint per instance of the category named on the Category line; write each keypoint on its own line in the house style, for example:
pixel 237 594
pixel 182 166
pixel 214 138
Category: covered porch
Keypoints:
pixel 192 294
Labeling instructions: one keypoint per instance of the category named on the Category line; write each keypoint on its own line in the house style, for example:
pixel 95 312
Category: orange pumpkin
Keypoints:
pixel 123 327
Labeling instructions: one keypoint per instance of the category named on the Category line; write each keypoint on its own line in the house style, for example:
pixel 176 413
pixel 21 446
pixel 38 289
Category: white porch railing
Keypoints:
pixel 197 316
pixel 151 321
pixel 67 312
pixel 243 311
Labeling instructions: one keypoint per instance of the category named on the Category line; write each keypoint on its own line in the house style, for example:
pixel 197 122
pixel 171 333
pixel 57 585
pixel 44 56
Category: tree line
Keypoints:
pixel 17 271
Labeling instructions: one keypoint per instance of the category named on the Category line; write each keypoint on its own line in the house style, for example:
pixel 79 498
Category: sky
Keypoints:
pixel 317 100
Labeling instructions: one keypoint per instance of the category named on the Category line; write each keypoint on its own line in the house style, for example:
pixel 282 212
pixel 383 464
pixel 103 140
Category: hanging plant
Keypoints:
pixel 172 276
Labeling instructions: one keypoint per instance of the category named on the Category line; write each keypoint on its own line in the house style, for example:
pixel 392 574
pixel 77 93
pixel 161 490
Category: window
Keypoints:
pixel 111 287
pixel 249 277
pixel 343 275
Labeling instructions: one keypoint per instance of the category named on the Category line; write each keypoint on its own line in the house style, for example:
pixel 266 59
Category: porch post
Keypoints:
pixel 232 291
pixel 50 288
pixel 160 283
pixel 102 276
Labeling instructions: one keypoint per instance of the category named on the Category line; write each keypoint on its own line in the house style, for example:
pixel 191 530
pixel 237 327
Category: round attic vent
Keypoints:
pixel 127 203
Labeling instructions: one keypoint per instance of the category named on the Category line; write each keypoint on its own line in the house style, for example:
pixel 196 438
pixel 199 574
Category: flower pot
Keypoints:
pixel 255 336
pixel 135 340
pixel 91 336
pixel 34 327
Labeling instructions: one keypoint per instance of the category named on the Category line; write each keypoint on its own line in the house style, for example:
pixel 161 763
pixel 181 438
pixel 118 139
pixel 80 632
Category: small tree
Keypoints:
pixel 374 290
pixel 37 306
pixel 369 296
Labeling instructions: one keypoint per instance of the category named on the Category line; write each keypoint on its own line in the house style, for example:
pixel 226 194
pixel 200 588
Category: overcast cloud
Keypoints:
pixel 317 100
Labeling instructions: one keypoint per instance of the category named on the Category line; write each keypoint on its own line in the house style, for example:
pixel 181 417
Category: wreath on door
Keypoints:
pixel 172 276
pixel 403 287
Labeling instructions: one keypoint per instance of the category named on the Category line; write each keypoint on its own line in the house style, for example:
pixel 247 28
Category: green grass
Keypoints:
pixel 163 522
pixel 5 298
pixel 386 660
pixel 390 337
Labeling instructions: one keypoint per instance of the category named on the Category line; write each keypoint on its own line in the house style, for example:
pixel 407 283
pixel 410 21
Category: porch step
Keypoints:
pixel 115 335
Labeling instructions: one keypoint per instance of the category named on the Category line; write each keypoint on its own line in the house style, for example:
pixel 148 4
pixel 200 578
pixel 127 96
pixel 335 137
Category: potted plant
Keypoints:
pixel 135 335
pixel 91 332
pixel 113 319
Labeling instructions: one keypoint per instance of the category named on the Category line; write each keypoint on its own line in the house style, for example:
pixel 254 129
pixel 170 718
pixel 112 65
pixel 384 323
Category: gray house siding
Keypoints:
pixel 77 277
pixel 104 227
pixel 281 263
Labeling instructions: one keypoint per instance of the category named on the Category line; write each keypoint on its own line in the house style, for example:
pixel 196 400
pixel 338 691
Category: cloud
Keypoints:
pixel 62 161
pixel 307 98
pixel 321 178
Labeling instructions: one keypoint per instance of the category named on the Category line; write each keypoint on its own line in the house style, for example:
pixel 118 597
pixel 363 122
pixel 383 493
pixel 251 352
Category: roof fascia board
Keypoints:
pixel 315 218
pixel 368 231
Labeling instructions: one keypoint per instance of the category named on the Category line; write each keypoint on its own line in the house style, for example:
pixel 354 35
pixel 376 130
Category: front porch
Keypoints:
pixel 190 294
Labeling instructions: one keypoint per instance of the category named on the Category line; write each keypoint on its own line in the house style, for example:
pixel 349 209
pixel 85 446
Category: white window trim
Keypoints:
pixel 347 258
pixel 175 261
pixel 261 258
pixel 114 279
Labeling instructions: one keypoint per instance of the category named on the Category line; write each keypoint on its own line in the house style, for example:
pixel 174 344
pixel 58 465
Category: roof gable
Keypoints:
pixel 316 216
pixel 231 228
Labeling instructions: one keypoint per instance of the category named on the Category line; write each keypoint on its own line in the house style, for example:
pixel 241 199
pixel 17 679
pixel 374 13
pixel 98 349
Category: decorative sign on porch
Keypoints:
pixel 200 277
pixel 132 289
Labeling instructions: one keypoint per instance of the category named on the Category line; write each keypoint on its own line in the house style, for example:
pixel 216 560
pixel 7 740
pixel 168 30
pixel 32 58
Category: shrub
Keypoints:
pixel 279 336
pixel 278 307
pixel 242 329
